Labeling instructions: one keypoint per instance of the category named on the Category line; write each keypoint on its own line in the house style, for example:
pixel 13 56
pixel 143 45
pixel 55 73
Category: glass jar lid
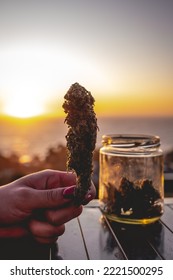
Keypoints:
pixel 131 140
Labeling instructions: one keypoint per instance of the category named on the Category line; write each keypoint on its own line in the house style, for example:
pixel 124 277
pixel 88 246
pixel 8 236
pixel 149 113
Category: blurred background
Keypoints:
pixel 119 50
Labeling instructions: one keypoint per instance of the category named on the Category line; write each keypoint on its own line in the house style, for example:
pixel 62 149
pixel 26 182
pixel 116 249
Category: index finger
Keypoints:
pixel 66 178
pixel 59 179
pixel 49 179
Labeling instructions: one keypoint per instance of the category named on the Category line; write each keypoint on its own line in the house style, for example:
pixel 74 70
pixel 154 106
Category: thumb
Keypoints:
pixel 50 198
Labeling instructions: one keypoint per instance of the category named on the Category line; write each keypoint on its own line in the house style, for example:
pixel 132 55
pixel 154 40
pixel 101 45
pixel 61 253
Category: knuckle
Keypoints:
pixel 78 211
pixel 33 227
pixel 61 230
pixel 50 195
pixel 51 217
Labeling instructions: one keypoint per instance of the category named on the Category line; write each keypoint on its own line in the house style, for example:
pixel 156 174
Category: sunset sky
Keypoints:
pixel 120 50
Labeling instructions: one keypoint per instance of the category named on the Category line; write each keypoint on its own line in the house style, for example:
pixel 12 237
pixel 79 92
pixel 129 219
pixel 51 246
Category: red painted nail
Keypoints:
pixel 69 192
pixel 87 199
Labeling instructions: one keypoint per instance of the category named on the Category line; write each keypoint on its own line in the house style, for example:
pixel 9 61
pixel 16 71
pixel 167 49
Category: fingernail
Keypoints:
pixel 87 199
pixel 69 192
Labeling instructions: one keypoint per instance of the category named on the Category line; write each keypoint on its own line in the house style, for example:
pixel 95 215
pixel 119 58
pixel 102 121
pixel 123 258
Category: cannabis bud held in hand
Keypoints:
pixel 81 136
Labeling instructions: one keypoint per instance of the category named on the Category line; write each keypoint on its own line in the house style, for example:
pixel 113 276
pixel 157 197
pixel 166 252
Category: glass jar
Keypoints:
pixel 131 186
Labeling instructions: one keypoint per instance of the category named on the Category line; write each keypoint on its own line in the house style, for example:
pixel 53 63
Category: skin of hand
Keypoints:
pixel 39 204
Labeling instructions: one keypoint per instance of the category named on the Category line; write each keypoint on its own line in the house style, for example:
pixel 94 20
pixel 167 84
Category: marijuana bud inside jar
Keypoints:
pixel 131 178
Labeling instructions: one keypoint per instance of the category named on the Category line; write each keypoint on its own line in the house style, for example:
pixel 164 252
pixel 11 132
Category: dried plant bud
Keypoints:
pixel 81 136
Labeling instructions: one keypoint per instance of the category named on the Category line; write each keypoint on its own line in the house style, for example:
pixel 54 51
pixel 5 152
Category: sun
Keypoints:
pixel 22 109
pixel 23 106
pixel 34 75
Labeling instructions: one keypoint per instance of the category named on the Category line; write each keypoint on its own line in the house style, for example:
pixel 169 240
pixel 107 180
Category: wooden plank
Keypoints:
pixel 90 237
pixel 168 200
pixel 133 241
pixel 161 239
pixel 167 217
pixel 99 241
pixel 170 205
pixel 93 203
pixel 70 245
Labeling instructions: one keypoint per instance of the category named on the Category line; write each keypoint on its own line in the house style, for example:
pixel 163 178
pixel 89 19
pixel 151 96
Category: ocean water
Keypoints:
pixel 36 137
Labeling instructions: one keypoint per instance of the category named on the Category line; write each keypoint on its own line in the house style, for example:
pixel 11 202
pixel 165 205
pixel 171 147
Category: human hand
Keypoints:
pixel 50 192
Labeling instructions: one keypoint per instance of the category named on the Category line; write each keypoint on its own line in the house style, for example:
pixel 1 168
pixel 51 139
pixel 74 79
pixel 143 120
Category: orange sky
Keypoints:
pixel 121 52
pixel 136 104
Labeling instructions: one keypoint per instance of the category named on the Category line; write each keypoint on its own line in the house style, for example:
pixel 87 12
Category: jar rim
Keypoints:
pixel 131 140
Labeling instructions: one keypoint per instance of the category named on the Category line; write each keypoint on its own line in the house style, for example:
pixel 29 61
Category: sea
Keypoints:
pixel 36 137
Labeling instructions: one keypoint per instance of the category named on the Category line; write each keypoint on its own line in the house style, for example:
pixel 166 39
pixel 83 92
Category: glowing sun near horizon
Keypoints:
pixel 33 76
pixel 22 108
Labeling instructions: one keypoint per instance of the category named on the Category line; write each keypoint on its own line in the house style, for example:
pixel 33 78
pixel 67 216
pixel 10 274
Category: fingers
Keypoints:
pixel 45 190
pixel 70 193
pixel 57 217
pixel 46 240
pixel 13 231
pixel 67 178
pixel 48 179
pixel 45 232
pixel 55 198
pixel 51 198
pixel 90 194
pixel 58 179
pixel 48 230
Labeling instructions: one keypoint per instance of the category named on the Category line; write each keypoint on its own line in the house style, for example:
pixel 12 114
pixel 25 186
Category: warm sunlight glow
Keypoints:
pixel 22 106
pixel 33 76
pixel 22 109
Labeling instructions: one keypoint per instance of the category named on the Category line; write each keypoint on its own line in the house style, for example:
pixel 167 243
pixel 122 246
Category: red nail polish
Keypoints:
pixel 69 192
pixel 87 199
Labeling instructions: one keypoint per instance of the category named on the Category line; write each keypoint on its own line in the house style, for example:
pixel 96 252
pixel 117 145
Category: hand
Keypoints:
pixel 39 204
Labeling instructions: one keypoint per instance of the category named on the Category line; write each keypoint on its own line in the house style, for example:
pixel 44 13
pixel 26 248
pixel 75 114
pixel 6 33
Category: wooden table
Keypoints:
pixel 92 236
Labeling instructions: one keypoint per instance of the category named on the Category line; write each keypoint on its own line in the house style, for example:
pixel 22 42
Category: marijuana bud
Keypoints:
pixel 81 136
